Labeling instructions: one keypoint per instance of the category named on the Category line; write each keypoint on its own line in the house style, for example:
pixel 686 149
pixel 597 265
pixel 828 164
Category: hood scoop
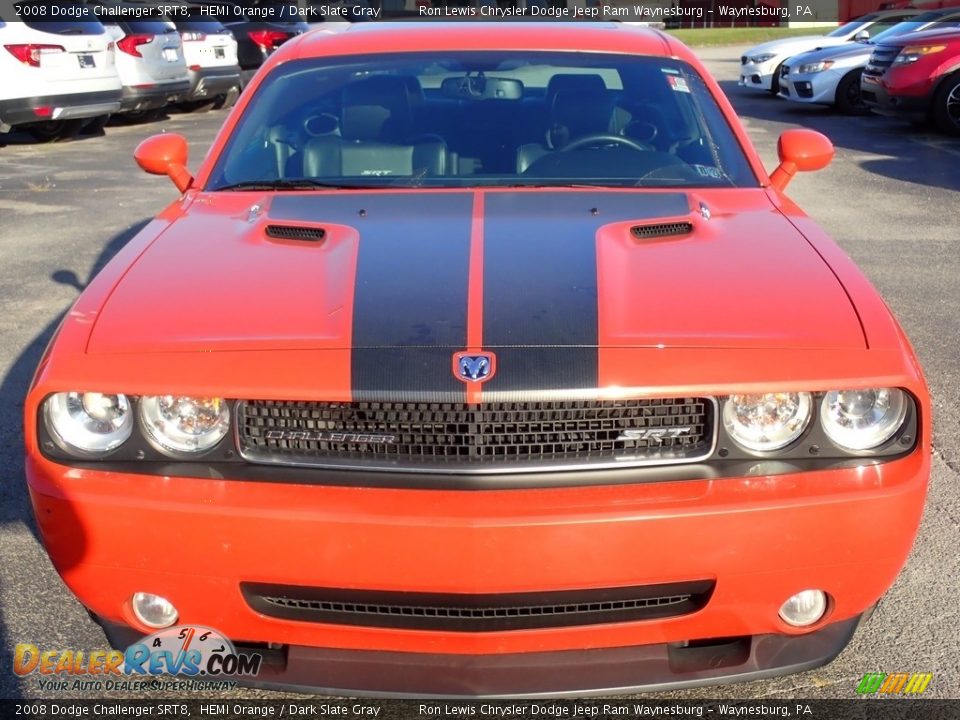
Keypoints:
pixel 304 233
pixel 652 231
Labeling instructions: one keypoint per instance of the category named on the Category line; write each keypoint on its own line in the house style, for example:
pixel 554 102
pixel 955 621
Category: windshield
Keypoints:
pixel 921 22
pixel 483 119
pixel 851 27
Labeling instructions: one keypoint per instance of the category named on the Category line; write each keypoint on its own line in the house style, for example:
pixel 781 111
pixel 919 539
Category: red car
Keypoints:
pixel 916 76
pixel 483 360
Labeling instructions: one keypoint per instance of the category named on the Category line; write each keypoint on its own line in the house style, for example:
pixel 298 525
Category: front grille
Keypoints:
pixel 648 232
pixel 744 59
pixel 490 437
pixel 477 613
pixel 784 70
pixel 880 60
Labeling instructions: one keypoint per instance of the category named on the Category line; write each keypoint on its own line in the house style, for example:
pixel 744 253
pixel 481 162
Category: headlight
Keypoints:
pixel 912 53
pixel 815 67
pixel 862 419
pixel 768 421
pixel 762 58
pixel 88 423
pixel 179 425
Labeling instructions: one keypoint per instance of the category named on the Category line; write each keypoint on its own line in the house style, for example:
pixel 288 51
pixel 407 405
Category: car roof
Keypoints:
pixel 387 37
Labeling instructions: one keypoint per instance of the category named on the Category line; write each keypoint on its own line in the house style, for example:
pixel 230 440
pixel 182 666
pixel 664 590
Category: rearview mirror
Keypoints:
pixel 165 154
pixel 800 151
pixel 480 87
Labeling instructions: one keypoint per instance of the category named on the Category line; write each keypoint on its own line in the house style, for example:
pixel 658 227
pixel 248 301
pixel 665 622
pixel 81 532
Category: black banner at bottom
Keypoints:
pixel 598 709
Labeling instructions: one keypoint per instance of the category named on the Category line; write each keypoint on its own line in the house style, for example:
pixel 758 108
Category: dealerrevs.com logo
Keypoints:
pixel 894 683
pixel 189 652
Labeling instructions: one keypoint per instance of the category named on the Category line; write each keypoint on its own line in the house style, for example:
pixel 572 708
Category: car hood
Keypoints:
pixel 453 269
pixel 848 51
pixel 794 45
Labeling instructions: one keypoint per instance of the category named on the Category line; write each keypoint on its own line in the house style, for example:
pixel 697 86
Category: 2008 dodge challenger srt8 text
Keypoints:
pixel 483 360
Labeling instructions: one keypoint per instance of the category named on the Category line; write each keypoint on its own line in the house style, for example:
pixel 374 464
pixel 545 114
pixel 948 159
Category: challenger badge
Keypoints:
pixel 474 366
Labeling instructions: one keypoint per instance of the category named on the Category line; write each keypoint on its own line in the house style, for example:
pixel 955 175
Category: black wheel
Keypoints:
pixel 48 131
pixel 848 98
pixel 226 100
pixel 946 106
pixel 775 82
pixel 197 106
pixel 94 126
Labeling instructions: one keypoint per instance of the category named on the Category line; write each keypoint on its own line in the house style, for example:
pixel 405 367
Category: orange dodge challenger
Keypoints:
pixel 483 360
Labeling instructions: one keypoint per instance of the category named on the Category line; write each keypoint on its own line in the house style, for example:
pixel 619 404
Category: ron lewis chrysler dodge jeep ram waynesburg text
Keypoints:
pixel 483 360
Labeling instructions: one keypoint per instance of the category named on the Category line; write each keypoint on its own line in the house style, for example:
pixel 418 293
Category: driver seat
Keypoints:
pixel 573 114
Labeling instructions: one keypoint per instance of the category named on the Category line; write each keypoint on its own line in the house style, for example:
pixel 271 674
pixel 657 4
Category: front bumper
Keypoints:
pixel 207 83
pixel 758 77
pixel 761 538
pixel 575 673
pixel 21 111
pixel 812 88
pixel 137 98
pixel 878 97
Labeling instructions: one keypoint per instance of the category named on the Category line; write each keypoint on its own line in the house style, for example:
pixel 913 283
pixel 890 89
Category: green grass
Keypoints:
pixel 703 37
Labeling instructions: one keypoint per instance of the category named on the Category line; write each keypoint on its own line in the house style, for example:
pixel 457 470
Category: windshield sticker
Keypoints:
pixel 679 84
pixel 710 172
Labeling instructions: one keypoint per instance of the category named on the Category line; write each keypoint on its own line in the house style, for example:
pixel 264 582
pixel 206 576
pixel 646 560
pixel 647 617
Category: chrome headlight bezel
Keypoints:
pixel 161 418
pixel 887 406
pixel 814 67
pixel 71 420
pixel 795 408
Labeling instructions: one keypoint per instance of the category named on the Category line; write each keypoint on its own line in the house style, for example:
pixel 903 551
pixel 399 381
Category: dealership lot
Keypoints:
pixel 888 199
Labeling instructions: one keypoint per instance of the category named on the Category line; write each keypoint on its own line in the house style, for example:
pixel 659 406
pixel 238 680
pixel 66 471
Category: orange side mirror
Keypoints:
pixel 800 151
pixel 165 154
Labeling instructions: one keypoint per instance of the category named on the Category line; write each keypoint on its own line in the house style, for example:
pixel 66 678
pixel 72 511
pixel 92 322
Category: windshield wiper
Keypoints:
pixel 298 184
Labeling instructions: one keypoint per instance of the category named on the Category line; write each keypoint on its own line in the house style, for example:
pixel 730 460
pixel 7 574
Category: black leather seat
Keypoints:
pixel 376 135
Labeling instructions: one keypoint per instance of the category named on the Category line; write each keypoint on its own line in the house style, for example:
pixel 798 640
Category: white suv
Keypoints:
pixel 54 72
pixel 150 62
pixel 211 53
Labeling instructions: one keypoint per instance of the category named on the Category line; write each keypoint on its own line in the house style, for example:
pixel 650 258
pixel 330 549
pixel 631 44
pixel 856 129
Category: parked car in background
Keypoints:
pixel 56 75
pixel 917 77
pixel 210 51
pixel 257 37
pixel 831 76
pixel 760 65
pixel 150 62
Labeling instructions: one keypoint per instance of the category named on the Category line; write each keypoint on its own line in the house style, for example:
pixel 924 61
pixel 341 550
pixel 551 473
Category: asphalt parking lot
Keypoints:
pixel 890 199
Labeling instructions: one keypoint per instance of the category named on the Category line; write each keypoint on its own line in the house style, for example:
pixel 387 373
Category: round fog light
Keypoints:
pixel 805 608
pixel 153 611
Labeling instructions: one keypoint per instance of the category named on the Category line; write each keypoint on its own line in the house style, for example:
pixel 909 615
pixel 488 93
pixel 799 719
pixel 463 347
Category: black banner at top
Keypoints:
pixel 669 13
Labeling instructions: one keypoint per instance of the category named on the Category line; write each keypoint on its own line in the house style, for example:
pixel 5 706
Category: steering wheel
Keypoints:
pixel 605 139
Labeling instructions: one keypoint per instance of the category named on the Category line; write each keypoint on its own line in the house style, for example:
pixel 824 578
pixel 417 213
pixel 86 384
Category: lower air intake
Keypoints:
pixel 477 613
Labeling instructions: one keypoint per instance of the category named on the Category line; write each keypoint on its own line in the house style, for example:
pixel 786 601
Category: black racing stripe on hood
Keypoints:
pixel 410 295
pixel 540 282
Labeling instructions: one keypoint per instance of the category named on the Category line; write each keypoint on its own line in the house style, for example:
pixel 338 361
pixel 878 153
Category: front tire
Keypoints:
pixel 775 80
pixel 946 106
pixel 848 98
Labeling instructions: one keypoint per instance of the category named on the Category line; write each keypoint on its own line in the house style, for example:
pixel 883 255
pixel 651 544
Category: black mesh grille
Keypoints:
pixel 880 60
pixel 477 612
pixel 295 232
pixel 491 436
pixel 646 232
